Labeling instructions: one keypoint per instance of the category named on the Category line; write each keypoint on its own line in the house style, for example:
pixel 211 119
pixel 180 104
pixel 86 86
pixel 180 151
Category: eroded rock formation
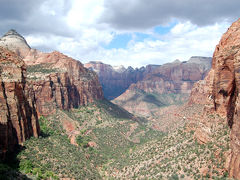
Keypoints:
pixel 226 65
pixel 15 42
pixel 116 79
pixel 221 89
pixel 34 84
pixel 164 85
pixel 61 82
pixel 176 77
pixel 57 80
pixel 18 117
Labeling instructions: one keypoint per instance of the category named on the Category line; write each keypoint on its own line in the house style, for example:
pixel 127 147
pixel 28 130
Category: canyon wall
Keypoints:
pixel 60 82
pixel 116 79
pixel 57 80
pixel 164 85
pixel 220 90
pixel 34 83
pixel 18 116
pixel 176 77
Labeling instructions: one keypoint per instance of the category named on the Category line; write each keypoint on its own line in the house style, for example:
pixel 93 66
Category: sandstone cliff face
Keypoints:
pixel 226 65
pixel 176 77
pixel 116 79
pixel 61 82
pixel 164 85
pixel 56 80
pixel 18 117
pixel 169 78
pixel 201 92
pixel 221 89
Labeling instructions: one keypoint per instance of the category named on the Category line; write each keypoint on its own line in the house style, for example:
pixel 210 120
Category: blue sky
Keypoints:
pixel 141 33
pixel 121 41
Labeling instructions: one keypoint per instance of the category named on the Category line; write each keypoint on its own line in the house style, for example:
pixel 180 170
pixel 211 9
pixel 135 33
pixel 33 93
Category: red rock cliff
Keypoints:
pixel 18 117
pixel 115 79
pixel 57 80
pixel 226 65
pixel 61 82
pixel 221 89
pixel 157 85
pixel 176 77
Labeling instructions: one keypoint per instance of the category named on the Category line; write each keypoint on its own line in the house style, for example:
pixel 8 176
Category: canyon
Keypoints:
pixel 116 79
pixel 184 122
pixel 41 83
pixel 176 77
pixel 168 84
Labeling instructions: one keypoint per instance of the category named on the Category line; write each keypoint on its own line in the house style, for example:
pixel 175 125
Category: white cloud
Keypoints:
pixel 84 13
pixel 182 42
pixel 87 38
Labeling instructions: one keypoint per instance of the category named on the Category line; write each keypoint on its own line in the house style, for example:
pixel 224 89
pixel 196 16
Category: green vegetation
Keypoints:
pixel 41 68
pixel 83 141
pixel 105 124
pixel 123 147
pixel 176 155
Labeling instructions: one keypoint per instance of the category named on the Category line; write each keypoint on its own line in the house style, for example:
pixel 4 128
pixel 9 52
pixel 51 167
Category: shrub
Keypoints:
pixel 26 166
pixel 83 141
pixel 45 129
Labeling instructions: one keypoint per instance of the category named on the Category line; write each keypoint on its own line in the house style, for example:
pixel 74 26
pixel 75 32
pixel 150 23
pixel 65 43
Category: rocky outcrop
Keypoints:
pixel 116 79
pixel 35 83
pixel 176 77
pixel 221 89
pixel 18 117
pixel 164 85
pixel 57 81
pixel 61 82
pixel 15 42
pixel 202 91
pixel 172 77
pixel 226 65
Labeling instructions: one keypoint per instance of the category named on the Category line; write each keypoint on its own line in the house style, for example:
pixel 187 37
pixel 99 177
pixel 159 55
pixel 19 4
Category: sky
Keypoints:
pixel 121 32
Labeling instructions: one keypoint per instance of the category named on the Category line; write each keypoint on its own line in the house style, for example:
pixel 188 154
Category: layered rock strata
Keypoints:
pixel 57 80
pixel 60 82
pixel 221 90
pixel 164 85
pixel 18 116
pixel 116 79
pixel 34 84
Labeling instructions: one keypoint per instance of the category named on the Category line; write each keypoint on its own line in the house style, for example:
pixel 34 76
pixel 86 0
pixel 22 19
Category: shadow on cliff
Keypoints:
pixel 9 166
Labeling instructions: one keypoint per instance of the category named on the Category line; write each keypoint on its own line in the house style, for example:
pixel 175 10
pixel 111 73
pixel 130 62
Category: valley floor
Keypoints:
pixel 103 141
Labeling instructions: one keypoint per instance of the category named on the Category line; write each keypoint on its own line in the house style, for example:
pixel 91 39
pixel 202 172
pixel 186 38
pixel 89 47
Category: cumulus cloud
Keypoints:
pixel 183 41
pixel 83 29
pixel 35 16
pixel 143 14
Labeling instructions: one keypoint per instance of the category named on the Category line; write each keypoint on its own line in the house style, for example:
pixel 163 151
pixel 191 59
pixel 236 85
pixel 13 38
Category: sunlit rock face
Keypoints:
pixel 57 80
pixel 18 116
pixel 220 89
pixel 164 85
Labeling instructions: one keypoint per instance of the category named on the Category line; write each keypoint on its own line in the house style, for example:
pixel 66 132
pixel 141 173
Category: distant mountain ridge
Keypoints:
pixel 164 85
pixel 116 79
